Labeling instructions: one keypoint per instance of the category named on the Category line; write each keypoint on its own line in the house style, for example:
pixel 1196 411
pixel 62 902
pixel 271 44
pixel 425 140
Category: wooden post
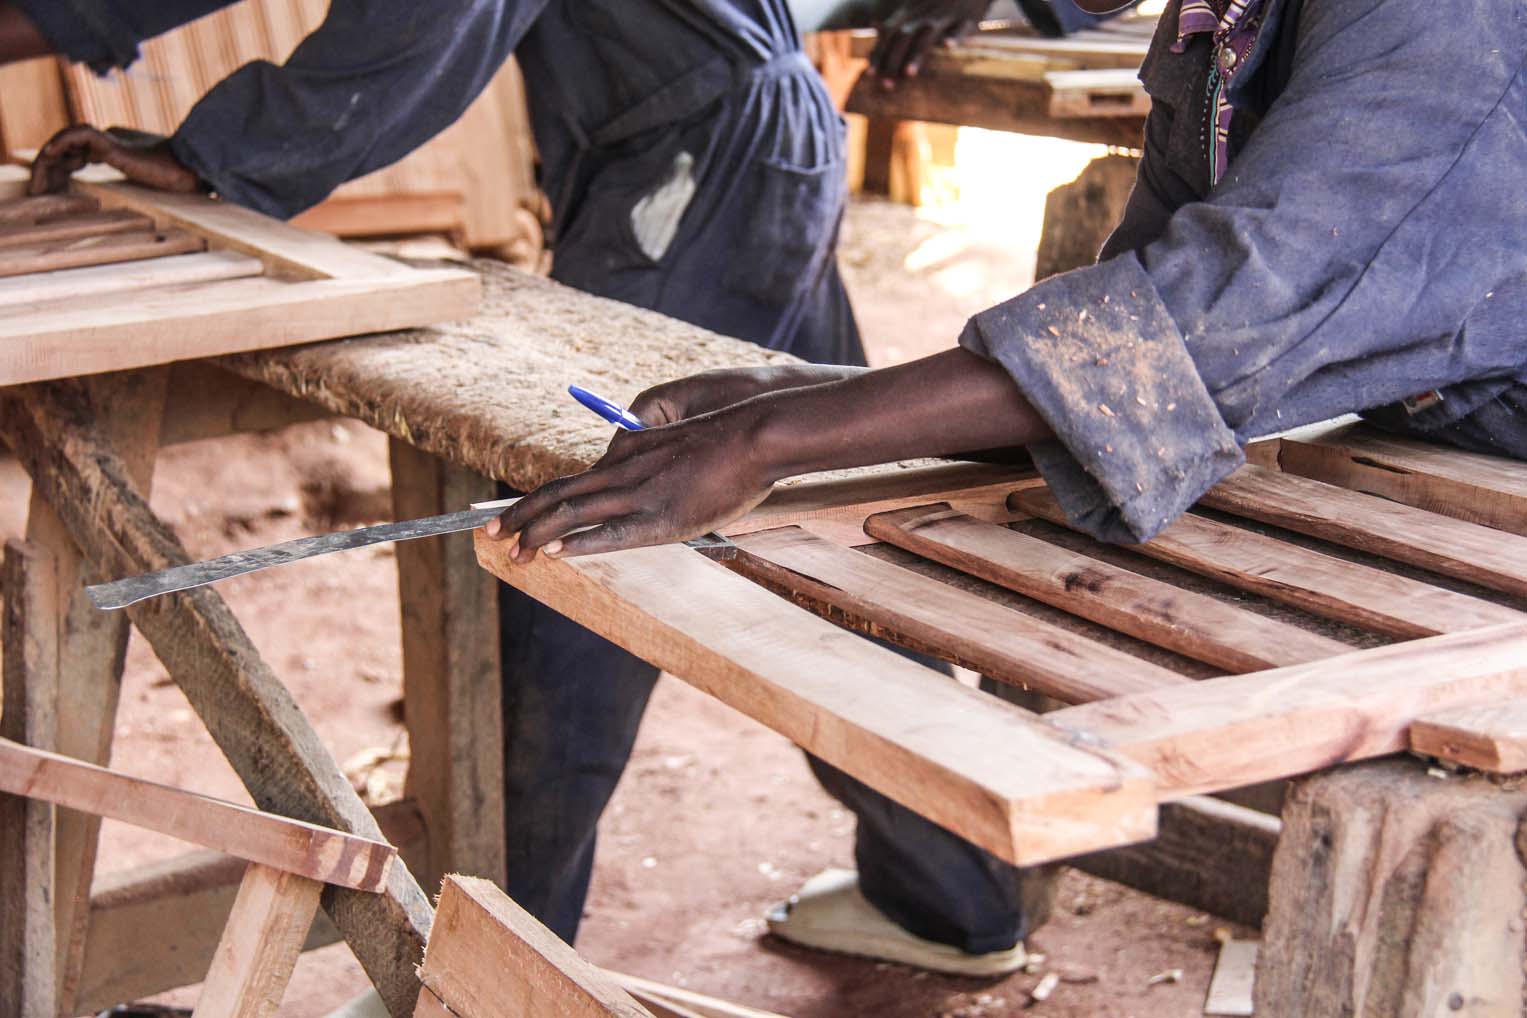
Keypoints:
pixel 260 945
pixel 126 410
pixel 450 673
pixel 1396 893
pixel 1081 215
pixel 28 948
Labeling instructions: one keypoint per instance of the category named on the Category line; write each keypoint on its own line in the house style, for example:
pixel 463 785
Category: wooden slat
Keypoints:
pixel 110 249
pixel 996 640
pixel 71 227
pixel 1097 93
pixel 431 1006
pixel 696 1003
pixel 259 946
pixel 1321 584
pixel 489 958
pixel 186 900
pixel 840 505
pixel 1241 729
pixel 995 774
pixel 22 211
pixel 1489 490
pixel 1194 625
pixel 76 284
pixel 29 713
pixel 182 322
pixel 318 853
pixel 1452 547
pixel 1490 736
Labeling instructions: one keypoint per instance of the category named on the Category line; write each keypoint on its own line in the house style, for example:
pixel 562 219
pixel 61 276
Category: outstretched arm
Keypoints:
pixel 681 480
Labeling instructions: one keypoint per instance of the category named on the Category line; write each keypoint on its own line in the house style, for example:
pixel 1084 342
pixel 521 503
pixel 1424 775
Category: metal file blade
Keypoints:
pixel 121 593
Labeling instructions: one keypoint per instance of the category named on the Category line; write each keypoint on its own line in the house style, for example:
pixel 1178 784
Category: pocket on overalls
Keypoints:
pixel 793 218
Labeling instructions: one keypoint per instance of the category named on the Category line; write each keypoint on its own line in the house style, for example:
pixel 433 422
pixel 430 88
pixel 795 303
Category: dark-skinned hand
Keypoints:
pixel 909 35
pixel 141 157
pixel 684 398
pixel 669 483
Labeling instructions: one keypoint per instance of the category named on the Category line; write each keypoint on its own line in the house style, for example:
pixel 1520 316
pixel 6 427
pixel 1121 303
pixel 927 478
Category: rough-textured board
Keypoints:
pixel 996 640
pixel 450 672
pixel 1194 625
pixel 490 394
pixel 1101 92
pixel 1210 855
pixel 489 958
pixel 1490 490
pixel 248 712
pixel 1080 216
pixel 1234 731
pixel 1396 894
pixel 70 227
pixel 186 901
pixel 1321 584
pixel 103 249
pixel 1452 547
pixel 100 280
pixel 28 713
pixel 331 857
pixel 1491 735
pixel 991 772
pixel 259 946
pixel 126 411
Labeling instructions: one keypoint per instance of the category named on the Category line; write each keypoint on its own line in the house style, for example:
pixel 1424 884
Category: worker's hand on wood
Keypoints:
pixel 142 158
pixel 684 398
pixel 678 481
pixel 669 483
pixel 910 34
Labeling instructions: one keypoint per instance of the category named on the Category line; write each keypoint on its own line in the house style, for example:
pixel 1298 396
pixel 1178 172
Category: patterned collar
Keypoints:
pixel 1234 26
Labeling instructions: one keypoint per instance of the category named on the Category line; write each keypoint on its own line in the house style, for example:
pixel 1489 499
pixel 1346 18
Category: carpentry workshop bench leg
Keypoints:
pixel 1396 892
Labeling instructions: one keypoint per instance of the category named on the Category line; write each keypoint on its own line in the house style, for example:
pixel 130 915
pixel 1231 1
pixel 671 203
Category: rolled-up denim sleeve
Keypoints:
pixel 376 80
pixel 1360 250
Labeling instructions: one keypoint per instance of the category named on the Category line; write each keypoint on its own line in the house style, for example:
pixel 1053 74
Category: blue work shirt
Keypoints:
pixel 1368 243
pixel 694 160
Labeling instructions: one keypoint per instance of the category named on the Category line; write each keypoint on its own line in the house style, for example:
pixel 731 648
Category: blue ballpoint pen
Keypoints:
pixel 612 412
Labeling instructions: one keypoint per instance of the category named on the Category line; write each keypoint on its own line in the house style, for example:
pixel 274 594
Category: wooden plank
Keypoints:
pixel 206 401
pixel 1210 855
pixel 29 713
pixel 840 505
pixel 1452 547
pixel 75 284
pixel 1489 490
pixel 317 853
pixel 431 1006
pixel 1194 625
pixel 995 774
pixel 1097 93
pixel 259 946
pixel 71 227
pixel 1241 729
pixel 489 958
pixel 186 901
pixel 33 106
pixel 451 675
pixel 248 713
pixel 386 215
pixel 1489 736
pixel 993 639
pixel 1230 988
pixel 110 249
pixel 181 322
pixel 1321 584
pixel 25 211
pixel 126 411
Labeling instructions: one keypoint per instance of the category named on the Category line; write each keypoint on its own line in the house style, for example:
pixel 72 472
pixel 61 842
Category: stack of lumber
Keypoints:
pixel 475 181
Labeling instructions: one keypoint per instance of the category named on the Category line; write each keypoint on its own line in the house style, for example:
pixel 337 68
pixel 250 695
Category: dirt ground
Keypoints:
pixel 717 818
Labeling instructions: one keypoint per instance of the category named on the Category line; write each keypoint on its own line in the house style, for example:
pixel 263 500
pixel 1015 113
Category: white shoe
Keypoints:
pixel 830 913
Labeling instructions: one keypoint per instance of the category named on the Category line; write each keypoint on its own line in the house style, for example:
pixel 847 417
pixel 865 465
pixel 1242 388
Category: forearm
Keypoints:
pixel 951 403
pixel 19 37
